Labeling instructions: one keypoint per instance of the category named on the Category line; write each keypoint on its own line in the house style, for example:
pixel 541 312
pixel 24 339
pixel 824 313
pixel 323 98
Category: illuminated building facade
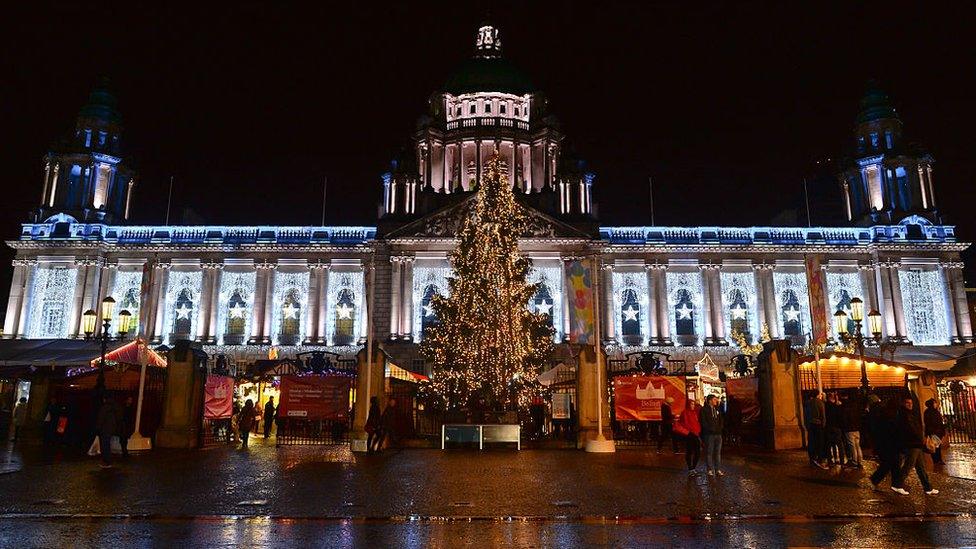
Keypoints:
pixel 241 289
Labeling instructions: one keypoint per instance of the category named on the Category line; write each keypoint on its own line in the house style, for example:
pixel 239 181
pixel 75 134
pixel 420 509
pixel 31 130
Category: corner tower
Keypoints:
pixel 888 179
pixel 84 174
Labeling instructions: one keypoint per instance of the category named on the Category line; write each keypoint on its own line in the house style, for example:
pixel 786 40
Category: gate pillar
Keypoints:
pixel 183 397
pixel 779 396
pixel 589 381
pixel 369 383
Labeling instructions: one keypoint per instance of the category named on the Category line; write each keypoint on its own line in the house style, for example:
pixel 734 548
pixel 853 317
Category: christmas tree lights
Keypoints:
pixel 488 346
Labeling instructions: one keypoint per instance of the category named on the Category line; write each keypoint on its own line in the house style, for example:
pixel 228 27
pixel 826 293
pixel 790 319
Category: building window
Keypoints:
pixel 517 111
pixel 874 140
pixel 88 138
pixel 236 327
pixel 103 174
pixel 183 316
pixel 458 111
pixel 872 176
pixel 924 304
pixel 684 315
pixel 345 319
pixel 428 317
pixel 473 109
pixel 487 107
pixel 291 319
pixel 53 291
pixel 542 303
pixel 501 108
pixel 889 142
pixel 841 287
pixel 790 313
pixel 630 318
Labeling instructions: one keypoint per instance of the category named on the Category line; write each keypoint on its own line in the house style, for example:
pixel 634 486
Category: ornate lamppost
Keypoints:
pixel 874 325
pixel 89 321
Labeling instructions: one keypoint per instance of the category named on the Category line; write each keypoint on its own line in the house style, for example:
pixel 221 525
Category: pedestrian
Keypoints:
pixel 689 427
pixel 851 423
pixel 882 423
pixel 667 426
pixel 235 427
pixel 733 420
pixel 19 416
pixel 108 423
pixel 387 425
pixel 911 443
pixel 815 418
pixel 710 419
pixel 269 414
pixel 51 415
pixel 372 425
pixel 245 421
pixel 127 425
pixel 934 427
pixel 834 431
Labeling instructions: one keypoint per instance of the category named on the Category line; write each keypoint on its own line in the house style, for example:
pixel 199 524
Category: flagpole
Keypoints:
pixel 137 441
pixel 600 444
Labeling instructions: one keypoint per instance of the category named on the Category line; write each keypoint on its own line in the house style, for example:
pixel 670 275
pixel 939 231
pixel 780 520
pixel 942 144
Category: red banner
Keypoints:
pixel 743 392
pixel 218 397
pixel 818 299
pixel 314 397
pixel 639 398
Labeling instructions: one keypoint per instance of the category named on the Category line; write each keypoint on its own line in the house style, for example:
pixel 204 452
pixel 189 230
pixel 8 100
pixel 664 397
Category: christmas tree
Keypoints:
pixel 488 347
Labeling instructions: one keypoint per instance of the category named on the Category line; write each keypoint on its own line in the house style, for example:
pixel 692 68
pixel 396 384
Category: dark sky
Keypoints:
pixel 250 107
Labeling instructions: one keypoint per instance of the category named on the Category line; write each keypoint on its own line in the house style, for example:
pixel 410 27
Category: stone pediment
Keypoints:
pixel 447 222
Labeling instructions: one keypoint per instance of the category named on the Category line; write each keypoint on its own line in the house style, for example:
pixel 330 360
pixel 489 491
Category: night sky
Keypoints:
pixel 251 107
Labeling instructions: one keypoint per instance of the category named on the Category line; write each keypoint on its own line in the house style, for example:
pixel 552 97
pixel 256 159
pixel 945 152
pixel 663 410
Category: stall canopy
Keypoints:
pixel 129 354
pixel 63 352
pixel 931 358
pixel 396 372
pixel 562 372
pixel 843 371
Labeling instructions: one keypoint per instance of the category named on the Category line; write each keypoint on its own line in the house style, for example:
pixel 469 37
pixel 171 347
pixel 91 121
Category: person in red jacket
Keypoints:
pixel 689 427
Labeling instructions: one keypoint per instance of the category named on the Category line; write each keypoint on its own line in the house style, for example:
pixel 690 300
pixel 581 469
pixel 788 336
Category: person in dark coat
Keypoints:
pixel 269 414
pixel 246 421
pixel 710 419
pixel 108 423
pixel 851 424
pixel 667 426
pixel 882 423
pixel 388 425
pixel 815 417
pixel 688 426
pixel 911 438
pixel 834 432
pixel 372 425
pixel 934 426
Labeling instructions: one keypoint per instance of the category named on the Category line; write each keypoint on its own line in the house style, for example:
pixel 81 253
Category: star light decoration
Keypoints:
pixel 183 311
pixel 238 311
pixel 792 314
pixel 290 310
pixel 684 311
pixel 738 312
pixel 344 311
pixel 488 347
pixel 544 308
pixel 630 313
pixel 428 309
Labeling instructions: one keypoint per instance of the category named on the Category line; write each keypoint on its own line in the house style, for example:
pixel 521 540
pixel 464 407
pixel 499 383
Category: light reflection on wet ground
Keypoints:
pixel 263 532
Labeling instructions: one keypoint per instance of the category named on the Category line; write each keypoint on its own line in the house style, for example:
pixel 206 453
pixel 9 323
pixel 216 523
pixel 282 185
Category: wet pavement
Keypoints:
pixel 328 496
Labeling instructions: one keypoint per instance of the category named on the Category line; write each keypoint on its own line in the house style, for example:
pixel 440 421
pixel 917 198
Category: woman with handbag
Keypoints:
pixel 934 427
pixel 689 427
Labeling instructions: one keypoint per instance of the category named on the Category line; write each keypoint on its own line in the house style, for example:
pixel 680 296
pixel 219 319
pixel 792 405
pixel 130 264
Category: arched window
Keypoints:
pixel 236 319
pixel 630 319
pixel 345 319
pixel 130 302
pixel 291 319
pixel 844 304
pixel 684 316
pixel 739 314
pixel 542 303
pixel 791 314
pixel 428 318
pixel 183 315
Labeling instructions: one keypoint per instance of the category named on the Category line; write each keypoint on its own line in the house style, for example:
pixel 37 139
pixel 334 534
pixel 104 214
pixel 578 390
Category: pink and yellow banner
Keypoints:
pixel 639 398
pixel 818 299
pixel 581 303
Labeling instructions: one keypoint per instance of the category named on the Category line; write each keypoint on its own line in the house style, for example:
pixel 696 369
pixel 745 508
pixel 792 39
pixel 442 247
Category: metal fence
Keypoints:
pixel 643 433
pixel 216 432
pixel 298 431
pixel 958 403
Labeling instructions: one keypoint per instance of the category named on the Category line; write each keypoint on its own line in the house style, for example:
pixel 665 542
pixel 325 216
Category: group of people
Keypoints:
pixel 834 425
pixel 113 420
pixel 380 427
pixel 700 426
pixel 246 420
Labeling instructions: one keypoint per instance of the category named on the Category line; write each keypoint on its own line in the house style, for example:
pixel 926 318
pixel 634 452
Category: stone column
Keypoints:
pixel 16 301
pixel 267 321
pixel 406 298
pixel 882 283
pixel 260 298
pixel 210 301
pixel 718 309
pixel 609 333
pixel 707 272
pixel 964 327
pixel 952 319
pixel 870 291
pixel 767 296
pixel 159 320
pixel 653 333
pixel 567 298
pixel 323 303
pixel 396 283
pixel 363 319
pixel 663 310
pixel 314 298
pixel 78 302
pixel 898 305
pixel 104 287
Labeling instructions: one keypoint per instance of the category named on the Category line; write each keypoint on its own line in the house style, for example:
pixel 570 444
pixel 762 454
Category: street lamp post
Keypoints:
pixel 874 325
pixel 90 320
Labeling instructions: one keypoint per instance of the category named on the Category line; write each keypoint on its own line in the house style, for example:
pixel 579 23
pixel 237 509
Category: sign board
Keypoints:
pixel 743 392
pixel 561 405
pixel 639 398
pixel 818 299
pixel 314 397
pixel 218 397
pixel 581 306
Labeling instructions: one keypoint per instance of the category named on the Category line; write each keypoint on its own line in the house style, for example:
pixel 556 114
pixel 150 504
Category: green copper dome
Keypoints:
pixel 875 105
pixel 487 70
pixel 101 104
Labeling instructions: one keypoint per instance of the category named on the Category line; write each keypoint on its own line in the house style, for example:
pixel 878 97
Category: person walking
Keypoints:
pixel 851 421
pixel 108 423
pixel 387 425
pixel 667 425
pixel 882 423
pixel 834 431
pixel 19 416
pixel 815 418
pixel 269 414
pixel 127 425
pixel 911 442
pixel 934 426
pixel 689 427
pixel 372 425
pixel 710 419
pixel 245 422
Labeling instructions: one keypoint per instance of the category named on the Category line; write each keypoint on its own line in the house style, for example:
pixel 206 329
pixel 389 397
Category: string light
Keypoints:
pixel 488 347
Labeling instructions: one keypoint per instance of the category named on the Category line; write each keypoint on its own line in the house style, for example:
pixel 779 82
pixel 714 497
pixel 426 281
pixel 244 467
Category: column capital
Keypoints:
pixel 164 265
pixel 655 266
pixel 709 267
pixel 88 262
pixel 319 266
pixel 865 266
pixel 23 262
pixel 952 264
pixel 265 265
pixel 212 266
pixel 889 263
pixel 763 266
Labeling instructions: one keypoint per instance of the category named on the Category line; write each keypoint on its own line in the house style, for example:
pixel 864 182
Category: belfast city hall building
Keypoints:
pixel 684 291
